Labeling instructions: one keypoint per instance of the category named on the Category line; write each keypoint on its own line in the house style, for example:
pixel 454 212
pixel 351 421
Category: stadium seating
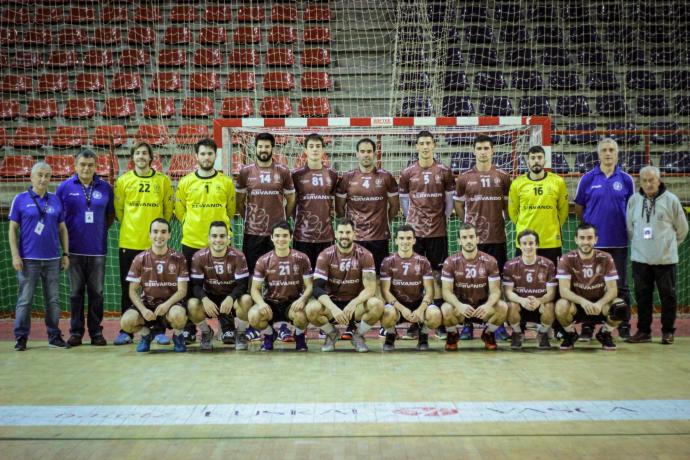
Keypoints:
pixel 622 137
pixel 80 108
pixel 204 81
pixel 218 14
pixel 278 81
pixel 72 36
pixel 585 161
pixel 53 83
pixel 166 81
pixel 489 80
pixel 284 13
pixel 526 80
pixel 535 105
pixel 98 58
pixel 316 81
pixel 114 15
pixel 315 57
pixel 237 107
pixel 564 80
pixel 455 81
pixel 669 162
pixel 597 80
pixel 69 136
pixel 141 36
pixel 317 34
pixel 314 107
pixel 29 137
pixel 48 15
pixel 197 107
pixel 184 14
pixel 126 81
pixel 246 35
pixel 37 37
pixel 611 105
pixel 118 107
pixel 212 36
pixel 416 107
pixel 172 58
pixel 16 166
pixel 63 59
pixel 632 161
pixel 109 135
pixel 519 57
pixel 243 57
pixel 37 109
pixel 495 106
pixel 279 57
pixel 652 105
pixel 240 81
pixel 665 132
pixel 81 15
pixel 572 106
pixel 153 134
pixel 586 135
pixel 275 106
pixel 513 33
pixel 181 165
pixel 106 36
pixel 280 34
pixel 457 106
pixel 105 167
pixel 9 109
pixel 158 107
pixel 640 79
pixel 250 14
pixel 147 14
pixel 191 134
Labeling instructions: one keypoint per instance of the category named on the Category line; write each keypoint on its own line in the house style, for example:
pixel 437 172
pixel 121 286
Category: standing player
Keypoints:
pixel 530 285
pixel 345 285
pixel 481 199
pixel 407 285
pixel 219 285
pixel 471 287
pixel 161 274
pixel 141 195
pixel 204 196
pixel 286 273
pixel 587 283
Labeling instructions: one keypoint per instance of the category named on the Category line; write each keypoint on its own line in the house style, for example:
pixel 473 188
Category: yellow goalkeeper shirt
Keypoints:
pixel 540 205
pixel 200 201
pixel 139 200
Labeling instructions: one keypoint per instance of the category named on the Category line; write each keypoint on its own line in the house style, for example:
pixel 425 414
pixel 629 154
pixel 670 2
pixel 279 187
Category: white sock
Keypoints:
pixel 516 327
pixel 241 325
pixel 543 328
pixel 203 327
pixel 363 328
pixel 450 329
pixel 298 331
pixel 144 331
pixel 268 330
pixel 569 328
pixel 328 328
pixel 491 327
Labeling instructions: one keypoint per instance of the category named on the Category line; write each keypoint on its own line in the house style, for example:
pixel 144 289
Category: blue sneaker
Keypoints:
pixel 179 345
pixel 252 334
pixel 268 342
pixel 144 343
pixel 285 334
pixel 301 342
pixel 501 334
pixel 467 332
pixel 122 339
pixel 162 339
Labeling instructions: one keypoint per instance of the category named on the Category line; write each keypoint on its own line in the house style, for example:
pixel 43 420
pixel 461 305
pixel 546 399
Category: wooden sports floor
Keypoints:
pixel 111 402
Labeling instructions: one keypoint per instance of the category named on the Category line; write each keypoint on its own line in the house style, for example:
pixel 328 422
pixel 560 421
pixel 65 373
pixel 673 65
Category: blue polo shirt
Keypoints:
pixel 605 200
pixel 87 238
pixel 27 215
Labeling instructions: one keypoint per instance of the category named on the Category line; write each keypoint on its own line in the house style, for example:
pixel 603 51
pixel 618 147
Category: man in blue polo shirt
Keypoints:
pixel 601 200
pixel 38 218
pixel 87 201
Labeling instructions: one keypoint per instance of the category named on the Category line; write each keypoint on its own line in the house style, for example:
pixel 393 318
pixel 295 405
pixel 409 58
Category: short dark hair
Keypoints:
pixel 159 220
pixel 466 226
pixel 265 137
pixel 585 226
pixel 365 140
pixel 314 137
pixel 481 139
pixel 142 144
pixel 207 142
pixel 425 133
pixel 85 153
pixel 406 228
pixel 345 221
pixel 283 224
pixel 527 232
pixel 536 149
pixel 217 223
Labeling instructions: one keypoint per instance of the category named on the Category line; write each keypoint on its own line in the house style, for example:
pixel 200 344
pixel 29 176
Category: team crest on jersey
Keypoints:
pixel 598 269
pixel 276 177
pixel 497 181
pixel 417 269
pixel 617 186
pixel 97 195
pixel 172 268
pixel 437 178
pixel 50 210
pixel 541 276
pixel 229 267
pixel 482 271
pixel 295 268
pixel 378 182
pixel 156 188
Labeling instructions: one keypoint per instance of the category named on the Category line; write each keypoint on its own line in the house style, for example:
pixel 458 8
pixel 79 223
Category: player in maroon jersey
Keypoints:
pixel 162 276
pixel 407 285
pixel 471 287
pixel 286 275
pixel 587 283
pixel 345 286
pixel 220 281
pixel 529 284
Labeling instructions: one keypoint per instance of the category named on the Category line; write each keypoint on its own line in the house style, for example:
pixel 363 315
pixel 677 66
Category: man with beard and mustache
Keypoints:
pixel 588 288
pixel 344 287
pixel 204 196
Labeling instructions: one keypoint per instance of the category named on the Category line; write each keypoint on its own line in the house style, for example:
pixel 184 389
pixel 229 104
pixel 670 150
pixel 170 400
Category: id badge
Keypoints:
pixel 88 217
pixel 39 228
pixel 647 233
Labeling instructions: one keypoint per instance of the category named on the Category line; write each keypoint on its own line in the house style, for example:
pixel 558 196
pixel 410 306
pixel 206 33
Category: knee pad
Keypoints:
pixel 619 311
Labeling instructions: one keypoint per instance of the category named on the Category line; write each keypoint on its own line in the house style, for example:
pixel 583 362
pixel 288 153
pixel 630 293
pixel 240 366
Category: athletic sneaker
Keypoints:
pixel 501 334
pixel 329 342
pixel 347 335
pixel 382 332
pixel 412 332
pixel 57 342
pixel 489 340
pixel 20 344
pixel 74 340
pixel 252 334
pixel 228 337
pixel 389 344
pixel 569 339
pixel 180 342
pixel 122 339
pixel 423 342
pixel 268 342
pixel 358 342
pixel 667 338
pixel 162 339
pixel 640 337
pixel 586 334
pixel 606 340
pixel 516 340
pixel 452 341
pixel 188 337
pixel 624 331
pixel 285 334
pixel 543 341
pixel 301 342
pixel 467 332
pixel 98 341
pixel 206 341
pixel 241 342
pixel 144 343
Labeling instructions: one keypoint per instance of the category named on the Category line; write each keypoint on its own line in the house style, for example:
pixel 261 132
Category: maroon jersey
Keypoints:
pixel 158 275
pixel 219 274
pixel 315 193
pixel 366 201
pixel 426 189
pixel 470 278
pixel 283 277
pixel 265 189
pixel 484 195
pixel 343 272
pixel 406 276
pixel 529 280
pixel 587 277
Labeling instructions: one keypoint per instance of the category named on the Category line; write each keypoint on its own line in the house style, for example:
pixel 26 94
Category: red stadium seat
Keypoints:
pixel 208 57
pixel 37 37
pixel 159 107
pixel 243 57
pixel 16 84
pixel 275 106
pixel 70 136
pixel 63 59
pixel 48 15
pixel 89 82
pixel 250 14
pixel 172 58
pixel 37 109
pixel 191 134
pixel 153 134
pixel 317 13
pixel 204 81
pixel 118 107
pixel 241 81
pixel 244 35
pixel 106 167
pixel 212 35
pixel 198 107
pixel 184 13
pixel 146 14
pixel 317 34
pixel 177 36
pixel 62 165
pixel 279 57
pixel 316 57
pixel 72 36
pixel 181 165
pixel 166 81
pixel 279 81
pixel 81 15
pixel 53 83
pixel 106 136
pixel 141 36
pixel 218 14
pixel 114 15
pixel 4 59
pixel 8 37
pixel 126 82
pixel 134 57
pixel 9 109
pixel 284 13
pixel 26 60
pixel 98 58
pixel 79 108
pixel 106 36
pixel 282 35
pixel 3 137
pixel 237 107
pixel 16 166
pixel 315 81
pixel 314 107
pixel 15 16
pixel 29 137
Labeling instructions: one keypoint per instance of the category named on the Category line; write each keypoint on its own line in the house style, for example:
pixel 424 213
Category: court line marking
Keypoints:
pixel 333 413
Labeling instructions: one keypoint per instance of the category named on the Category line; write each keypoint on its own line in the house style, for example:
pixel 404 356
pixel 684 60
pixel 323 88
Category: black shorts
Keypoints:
pixel 435 249
pixel 253 247
pixel 280 311
pixel 158 325
pixel 312 250
pixel 581 316
pixel 378 249
pixel 411 306
pixel 498 251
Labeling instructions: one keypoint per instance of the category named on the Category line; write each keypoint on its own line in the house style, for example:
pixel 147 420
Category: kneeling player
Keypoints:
pixel 587 283
pixel 219 285
pixel 407 285
pixel 162 275
pixel 471 287
pixel 530 286
pixel 345 285
pixel 287 275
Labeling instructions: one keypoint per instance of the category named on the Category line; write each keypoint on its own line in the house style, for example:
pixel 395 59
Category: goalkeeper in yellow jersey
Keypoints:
pixel 141 195
pixel 204 196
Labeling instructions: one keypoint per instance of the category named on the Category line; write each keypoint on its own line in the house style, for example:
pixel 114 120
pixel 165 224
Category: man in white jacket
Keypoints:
pixel 657 225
